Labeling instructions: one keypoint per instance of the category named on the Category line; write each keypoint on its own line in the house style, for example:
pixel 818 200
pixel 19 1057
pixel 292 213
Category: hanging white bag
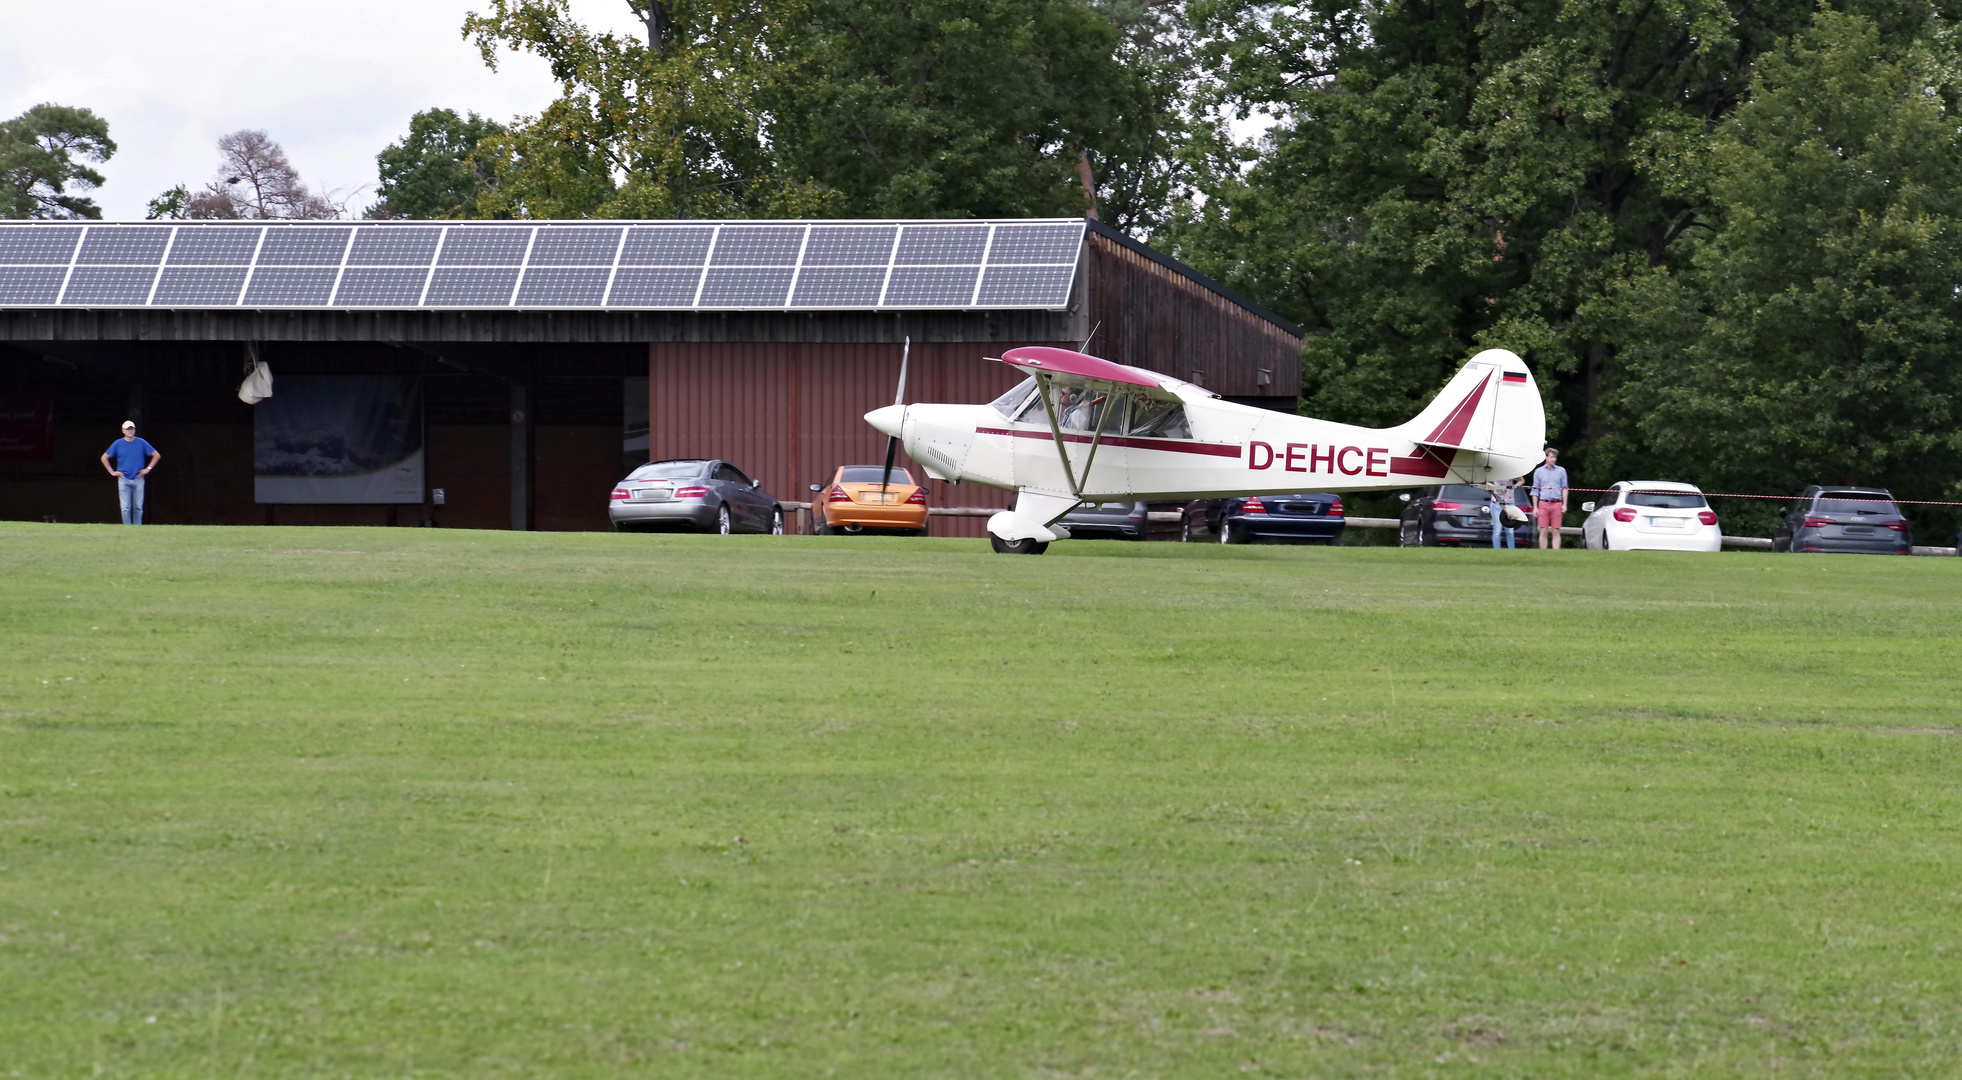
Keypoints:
pixel 257 386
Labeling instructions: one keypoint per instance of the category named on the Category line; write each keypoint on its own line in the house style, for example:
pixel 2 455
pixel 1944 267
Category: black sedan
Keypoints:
pixel 1458 515
pixel 1109 521
pixel 701 494
pixel 1313 517
pixel 1848 520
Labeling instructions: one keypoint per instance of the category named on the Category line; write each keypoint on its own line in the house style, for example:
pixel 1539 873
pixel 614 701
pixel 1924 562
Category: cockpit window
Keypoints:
pixel 1011 403
pixel 1159 419
pixel 1078 409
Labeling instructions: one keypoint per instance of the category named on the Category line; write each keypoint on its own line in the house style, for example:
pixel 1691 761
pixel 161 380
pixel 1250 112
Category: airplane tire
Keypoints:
pixel 1024 546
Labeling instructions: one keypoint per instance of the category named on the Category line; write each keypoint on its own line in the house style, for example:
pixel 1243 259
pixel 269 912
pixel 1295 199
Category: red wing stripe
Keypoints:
pixel 1174 446
pixel 1453 428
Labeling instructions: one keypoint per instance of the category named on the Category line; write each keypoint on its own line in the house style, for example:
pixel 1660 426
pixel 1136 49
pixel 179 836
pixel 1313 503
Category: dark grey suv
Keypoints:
pixel 1848 520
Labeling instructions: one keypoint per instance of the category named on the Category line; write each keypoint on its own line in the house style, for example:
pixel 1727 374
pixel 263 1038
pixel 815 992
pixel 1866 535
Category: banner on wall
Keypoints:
pixel 339 439
pixel 26 425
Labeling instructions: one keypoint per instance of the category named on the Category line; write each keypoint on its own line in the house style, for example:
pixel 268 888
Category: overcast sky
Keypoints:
pixel 333 84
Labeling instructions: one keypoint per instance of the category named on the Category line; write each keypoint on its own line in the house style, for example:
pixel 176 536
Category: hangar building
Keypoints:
pixel 520 367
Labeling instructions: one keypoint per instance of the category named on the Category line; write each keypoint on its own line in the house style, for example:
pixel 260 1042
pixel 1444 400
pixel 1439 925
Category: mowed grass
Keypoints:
pixel 356 802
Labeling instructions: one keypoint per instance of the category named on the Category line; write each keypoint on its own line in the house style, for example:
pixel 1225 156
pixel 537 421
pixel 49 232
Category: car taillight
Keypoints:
pixel 690 492
pixel 1816 523
pixel 1898 526
pixel 1446 506
pixel 622 493
pixel 1626 513
pixel 838 495
pixel 1708 517
pixel 918 497
pixel 1253 506
pixel 1336 510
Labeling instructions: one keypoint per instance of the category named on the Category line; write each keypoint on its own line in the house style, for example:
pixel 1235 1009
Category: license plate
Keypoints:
pixel 876 497
pixel 654 494
pixel 1666 523
pixel 1857 530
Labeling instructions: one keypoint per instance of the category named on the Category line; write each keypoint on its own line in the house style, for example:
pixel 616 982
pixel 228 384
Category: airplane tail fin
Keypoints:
pixel 1491 408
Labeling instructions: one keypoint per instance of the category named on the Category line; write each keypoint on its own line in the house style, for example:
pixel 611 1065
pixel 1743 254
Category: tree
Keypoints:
pixel 673 126
pixel 1815 334
pixel 1450 174
pixel 254 181
pixel 434 171
pixel 42 156
pixel 988 108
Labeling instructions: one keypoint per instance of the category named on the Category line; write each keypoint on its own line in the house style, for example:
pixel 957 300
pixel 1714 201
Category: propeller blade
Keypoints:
pixel 898 398
pixel 892 447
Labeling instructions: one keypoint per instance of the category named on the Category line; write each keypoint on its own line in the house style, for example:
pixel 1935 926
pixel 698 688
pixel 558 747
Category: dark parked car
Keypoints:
pixel 1314 517
pixel 1109 521
pixel 700 494
pixel 1843 519
pixel 1457 515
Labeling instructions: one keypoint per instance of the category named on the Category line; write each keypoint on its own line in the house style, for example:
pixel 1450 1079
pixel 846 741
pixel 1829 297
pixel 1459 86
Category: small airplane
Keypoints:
pixel 1083 429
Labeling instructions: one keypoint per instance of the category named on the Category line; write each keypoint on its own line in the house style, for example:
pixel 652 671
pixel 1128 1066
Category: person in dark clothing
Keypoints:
pixel 130 459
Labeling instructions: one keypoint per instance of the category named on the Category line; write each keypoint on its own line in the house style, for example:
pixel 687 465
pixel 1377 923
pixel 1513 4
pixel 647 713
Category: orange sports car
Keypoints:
pixel 853 502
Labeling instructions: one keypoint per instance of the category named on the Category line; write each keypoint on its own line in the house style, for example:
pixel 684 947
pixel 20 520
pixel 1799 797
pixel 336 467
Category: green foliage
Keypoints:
pixel 1814 336
pixel 434 171
pixel 43 152
pixel 172 205
pixel 986 107
pixel 451 803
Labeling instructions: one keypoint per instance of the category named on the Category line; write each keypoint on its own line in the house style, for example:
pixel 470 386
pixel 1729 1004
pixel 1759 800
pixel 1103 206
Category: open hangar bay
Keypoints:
pixel 533 363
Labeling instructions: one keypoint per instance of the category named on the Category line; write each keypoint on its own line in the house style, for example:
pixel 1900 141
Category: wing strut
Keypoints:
pixel 1062 448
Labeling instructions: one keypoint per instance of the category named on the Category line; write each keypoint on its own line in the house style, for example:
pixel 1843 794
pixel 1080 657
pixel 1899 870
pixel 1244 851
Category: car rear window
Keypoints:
pixel 1666 500
pixel 1464 493
pixel 1856 502
pixel 872 474
pixel 668 470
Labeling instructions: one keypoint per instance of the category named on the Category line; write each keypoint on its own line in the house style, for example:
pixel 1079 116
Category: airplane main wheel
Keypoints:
pixel 1024 546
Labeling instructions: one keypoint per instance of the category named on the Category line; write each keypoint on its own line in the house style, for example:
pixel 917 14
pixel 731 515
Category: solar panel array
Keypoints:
pixel 696 266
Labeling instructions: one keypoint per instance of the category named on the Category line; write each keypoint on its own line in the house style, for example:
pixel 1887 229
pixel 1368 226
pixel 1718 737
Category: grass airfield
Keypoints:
pixel 358 802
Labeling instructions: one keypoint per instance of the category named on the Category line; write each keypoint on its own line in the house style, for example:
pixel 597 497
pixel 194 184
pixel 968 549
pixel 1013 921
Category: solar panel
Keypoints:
pixel 1024 286
pixel 930 244
pixel 488 245
pixel 31 285
pixel 394 245
pixel 200 286
pixel 110 286
pixel 477 287
pixel 553 286
pixel 575 247
pixel 304 245
pixel 758 245
pixel 380 286
pixel 867 265
pixel 40 244
pixel 282 287
pixel 1035 244
pixel 746 287
pixel 839 287
pixel 633 287
pixel 127 244
pixel 686 245
pixel 931 286
pixel 850 245
pixel 225 246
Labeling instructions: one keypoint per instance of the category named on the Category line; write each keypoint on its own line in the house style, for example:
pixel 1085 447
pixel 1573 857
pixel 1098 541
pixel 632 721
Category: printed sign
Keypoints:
pixel 26 425
pixel 339 439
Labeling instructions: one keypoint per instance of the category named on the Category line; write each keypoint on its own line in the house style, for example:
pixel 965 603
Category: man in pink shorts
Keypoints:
pixel 1549 497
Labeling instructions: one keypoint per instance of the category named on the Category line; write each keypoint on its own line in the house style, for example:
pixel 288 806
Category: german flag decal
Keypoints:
pixel 1518 377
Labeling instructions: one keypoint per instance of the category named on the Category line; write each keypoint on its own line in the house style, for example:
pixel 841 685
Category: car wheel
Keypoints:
pixel 1185 529
pixel 776 521
pixel 1226 533
pixel 1405 536
pixel 1024 546
pixel 722 520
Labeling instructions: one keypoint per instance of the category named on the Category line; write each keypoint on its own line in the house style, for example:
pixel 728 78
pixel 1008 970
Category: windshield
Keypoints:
pixel 1666 500
pixel 668 470
pixel 872 474
pixel 1856 502
pixel 1009 403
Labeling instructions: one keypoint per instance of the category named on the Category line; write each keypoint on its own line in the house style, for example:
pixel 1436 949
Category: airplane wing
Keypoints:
pixel 1080 370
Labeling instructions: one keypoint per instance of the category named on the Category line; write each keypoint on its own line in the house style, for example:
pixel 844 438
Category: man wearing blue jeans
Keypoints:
pixel 130 459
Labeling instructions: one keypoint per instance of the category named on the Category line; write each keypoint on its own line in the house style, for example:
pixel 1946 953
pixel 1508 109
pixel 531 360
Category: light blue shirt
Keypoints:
pixel 1550 483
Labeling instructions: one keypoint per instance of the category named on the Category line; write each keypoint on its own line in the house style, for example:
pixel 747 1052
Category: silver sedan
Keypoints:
pixel 702 494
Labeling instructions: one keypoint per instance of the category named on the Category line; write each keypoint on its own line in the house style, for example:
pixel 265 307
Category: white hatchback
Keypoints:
pixel 1651 515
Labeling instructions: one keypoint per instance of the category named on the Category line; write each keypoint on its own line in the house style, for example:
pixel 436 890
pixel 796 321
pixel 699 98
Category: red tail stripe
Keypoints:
pixel 1453 428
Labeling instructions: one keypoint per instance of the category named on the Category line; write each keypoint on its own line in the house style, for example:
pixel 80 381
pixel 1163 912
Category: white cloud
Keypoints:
pixel 333 88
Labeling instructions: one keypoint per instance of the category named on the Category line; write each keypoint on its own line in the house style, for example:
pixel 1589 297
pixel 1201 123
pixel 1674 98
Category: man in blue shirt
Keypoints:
pixel 130 459
pixel 1549 497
